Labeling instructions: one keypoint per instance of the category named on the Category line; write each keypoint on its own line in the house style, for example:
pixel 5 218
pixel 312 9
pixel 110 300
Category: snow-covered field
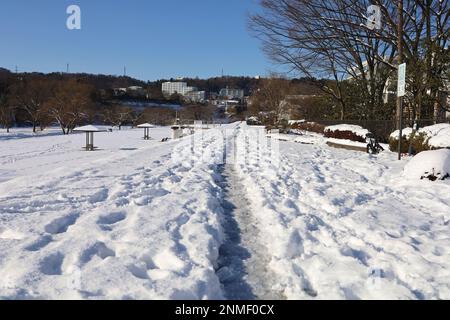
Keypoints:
pixel 171 220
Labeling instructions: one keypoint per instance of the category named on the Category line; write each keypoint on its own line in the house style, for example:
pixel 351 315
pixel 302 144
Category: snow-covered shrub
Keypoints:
pixel 418 141
pixel 427 138
pixel 346 131
pixel 432 165
pixel 253 121
pixel 283 125
pixel 439 135
pixel 309 126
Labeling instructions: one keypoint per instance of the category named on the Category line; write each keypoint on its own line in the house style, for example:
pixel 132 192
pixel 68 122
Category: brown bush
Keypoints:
pixel 348 135
pixel 309 126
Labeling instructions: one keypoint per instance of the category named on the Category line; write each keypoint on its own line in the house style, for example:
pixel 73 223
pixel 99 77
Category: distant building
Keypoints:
pixel 169 88
pixel 196 96
pixel 120 91
pixel 133 91
pixel 232 93
pixel 136 91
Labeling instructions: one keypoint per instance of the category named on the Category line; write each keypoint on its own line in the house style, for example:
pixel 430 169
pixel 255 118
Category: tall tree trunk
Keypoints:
pixel 437 112
pixel 342 116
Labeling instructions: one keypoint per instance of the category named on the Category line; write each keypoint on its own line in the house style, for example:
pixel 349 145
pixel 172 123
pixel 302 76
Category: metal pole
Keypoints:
pixel 87 141
pixel 400 135
pixel 92 141
pixel 399 62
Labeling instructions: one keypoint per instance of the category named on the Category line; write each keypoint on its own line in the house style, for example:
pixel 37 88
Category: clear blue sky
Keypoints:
pixel 154 38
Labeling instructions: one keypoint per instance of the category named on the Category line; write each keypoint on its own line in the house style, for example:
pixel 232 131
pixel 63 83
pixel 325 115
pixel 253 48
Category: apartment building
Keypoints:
pixel 196 96
pixel 169 88
pixel 232 93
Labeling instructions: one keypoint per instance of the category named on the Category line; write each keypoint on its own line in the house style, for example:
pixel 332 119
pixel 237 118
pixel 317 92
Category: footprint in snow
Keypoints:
pixel 60 225
pixel 99 196
pixel 98 249
pixel 112 218
pixel 51 265
pixel 39 243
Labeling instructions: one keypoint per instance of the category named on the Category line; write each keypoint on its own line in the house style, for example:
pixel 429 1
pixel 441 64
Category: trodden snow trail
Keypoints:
pixel 142 226
pixel 243 259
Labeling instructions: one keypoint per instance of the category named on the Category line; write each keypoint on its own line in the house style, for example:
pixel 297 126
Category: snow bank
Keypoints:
pixel 441 138
pixel 434 165
pixel 359 131
pixel 292 122
pixel 438 135
pixel 406 132
pixel 435 129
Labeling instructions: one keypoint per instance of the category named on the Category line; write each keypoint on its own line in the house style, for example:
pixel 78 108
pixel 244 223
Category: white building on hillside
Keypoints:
pixel 196 96
pixel 231 93
pixel 169 88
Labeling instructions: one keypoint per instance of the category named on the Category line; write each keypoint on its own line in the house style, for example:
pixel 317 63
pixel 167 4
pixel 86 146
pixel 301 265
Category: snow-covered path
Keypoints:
pixel 243 264
pixel 243 259
pixel 148 220
pixel 347 225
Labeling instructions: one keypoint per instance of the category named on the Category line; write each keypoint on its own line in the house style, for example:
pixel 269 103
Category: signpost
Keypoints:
pixel 401 80
pixel 401 90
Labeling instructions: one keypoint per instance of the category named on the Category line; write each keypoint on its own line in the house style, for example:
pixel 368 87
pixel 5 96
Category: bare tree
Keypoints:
pixel 331 40
pixel 197 112
pixel 308 37
pixel 30 96
pixel 117 115
pixel 135 117
pixel 6 112
pixel 425 35
pixel 159 116
pixel 268 97
pixel 69 103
